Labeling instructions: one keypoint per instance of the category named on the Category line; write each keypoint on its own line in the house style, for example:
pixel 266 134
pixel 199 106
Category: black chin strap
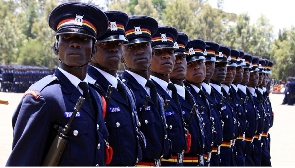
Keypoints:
pixel 135 70
pixel 96 64
pixel 74 67
pixel 156 73
pixel 176 80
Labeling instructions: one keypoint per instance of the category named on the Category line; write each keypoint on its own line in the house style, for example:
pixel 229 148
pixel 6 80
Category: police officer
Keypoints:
pixel 196 72
pixel 161 66
pixel 193 156
pixel 266 157
pixel 137 56
pixel 212 49
pixel 250 109
pixel 121 115
pixel 225 108
pixel 252 85
pixel 51 100
pixel 230 95
pixel 239 103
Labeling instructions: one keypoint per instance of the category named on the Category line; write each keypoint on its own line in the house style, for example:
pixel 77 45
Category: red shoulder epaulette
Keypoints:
pixel 33 93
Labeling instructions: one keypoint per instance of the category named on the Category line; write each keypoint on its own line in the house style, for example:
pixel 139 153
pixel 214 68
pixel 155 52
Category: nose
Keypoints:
pixel 75 45
pixel 166 56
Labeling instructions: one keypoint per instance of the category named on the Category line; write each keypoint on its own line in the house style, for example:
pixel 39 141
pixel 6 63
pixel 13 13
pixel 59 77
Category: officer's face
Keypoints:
pixel 246 76
pixel 219 72
pixel 179 69
pixel 210 67
pixel 74 49
pixel 137 56
pixel 239 75
pixel 253 80
pixel 261 78
pixel 196 71
pixel 108 54
pixel 163 60
pixel 230 75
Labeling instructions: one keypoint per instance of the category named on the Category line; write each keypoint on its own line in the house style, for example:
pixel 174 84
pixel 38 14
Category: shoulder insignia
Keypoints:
pixel 33 93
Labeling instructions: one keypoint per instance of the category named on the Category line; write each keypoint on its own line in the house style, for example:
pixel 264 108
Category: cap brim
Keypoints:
pixel 139 40
pixel 113 38
pixel 75 31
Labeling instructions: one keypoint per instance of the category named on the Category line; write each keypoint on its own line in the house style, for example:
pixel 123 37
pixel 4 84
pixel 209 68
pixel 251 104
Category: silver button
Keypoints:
pixel 98 146
pixel 170 126
pixel 97 165
pixel 75 132
pixel 117 124
pixel 97 126
pixel 146 121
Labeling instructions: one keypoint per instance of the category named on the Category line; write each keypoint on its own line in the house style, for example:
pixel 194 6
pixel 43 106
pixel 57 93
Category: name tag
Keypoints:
pixel 223 108
pixel 114 109
pixel 169 113
pixel 69 114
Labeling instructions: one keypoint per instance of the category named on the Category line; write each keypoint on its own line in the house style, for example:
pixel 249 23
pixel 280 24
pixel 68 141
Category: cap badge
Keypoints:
pixel 79 20
pixel 205 52
pixel 164 37
pixel 113 26
pixel 191 51
pixel 229 58
pixel 220 54
pixel 176 45
pixel 137 30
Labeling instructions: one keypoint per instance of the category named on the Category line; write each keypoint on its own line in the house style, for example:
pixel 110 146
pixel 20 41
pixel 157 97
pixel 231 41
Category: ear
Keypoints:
pixel 55 48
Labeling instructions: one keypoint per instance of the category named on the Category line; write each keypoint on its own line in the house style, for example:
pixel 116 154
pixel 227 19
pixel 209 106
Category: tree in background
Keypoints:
pixel 26 39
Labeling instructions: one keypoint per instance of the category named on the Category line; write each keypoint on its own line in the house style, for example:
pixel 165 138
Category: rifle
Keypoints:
pixel 4 102
pixel 109 92
pixel 57 147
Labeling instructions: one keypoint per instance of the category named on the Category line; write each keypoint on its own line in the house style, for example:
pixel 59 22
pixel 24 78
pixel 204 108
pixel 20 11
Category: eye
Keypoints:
pixel 65 37
pixel 119 43
pixel 130 46
pixel 84 38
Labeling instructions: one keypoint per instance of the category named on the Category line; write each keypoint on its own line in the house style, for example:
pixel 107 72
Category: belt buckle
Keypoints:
pixel 259 137
pixel 201 160
pixel 244 136
pixel 234 142
pixel 218 149
pixel 157 162
pixel 180 157
pixel 209 157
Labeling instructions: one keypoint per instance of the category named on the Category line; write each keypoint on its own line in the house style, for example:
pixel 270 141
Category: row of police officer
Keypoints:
pixel 176 103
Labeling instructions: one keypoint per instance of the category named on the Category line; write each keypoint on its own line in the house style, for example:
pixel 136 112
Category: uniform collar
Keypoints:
pixel 217 87
pixel 113 80
pixel 141 80
pixel 225 87
pixel 242 88
pixel 161 82
pixel 73 79
pixel 180 90
pixel 207 87
pixel 235 87
pixel 252 91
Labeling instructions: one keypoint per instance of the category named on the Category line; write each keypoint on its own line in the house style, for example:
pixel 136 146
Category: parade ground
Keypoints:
pixel 282 133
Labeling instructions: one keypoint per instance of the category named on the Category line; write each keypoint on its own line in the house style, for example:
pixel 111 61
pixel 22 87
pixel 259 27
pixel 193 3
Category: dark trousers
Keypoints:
pixel 226 156
pixel 257 152
pixel 249 154
pixel 215 159
pixel 265 156
pixel 240 149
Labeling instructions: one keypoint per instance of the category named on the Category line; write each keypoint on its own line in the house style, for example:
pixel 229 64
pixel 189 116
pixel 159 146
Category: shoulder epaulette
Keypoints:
pixel 37 87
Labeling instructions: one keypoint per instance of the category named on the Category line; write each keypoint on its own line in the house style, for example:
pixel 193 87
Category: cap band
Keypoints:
pixel 155 39
pixel 80 22
pixel 138 31
pixel 113 26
